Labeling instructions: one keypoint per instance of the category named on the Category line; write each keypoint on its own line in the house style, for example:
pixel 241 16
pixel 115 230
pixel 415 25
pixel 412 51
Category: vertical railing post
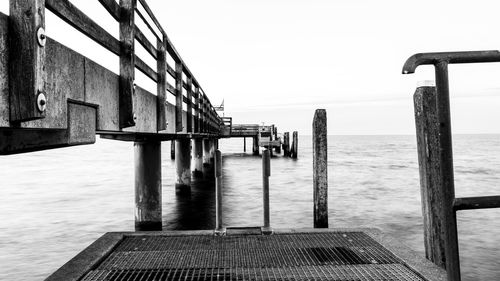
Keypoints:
pixel 127 64
pixel 447 179
pixel 28 98
pixel 266 173
pixel 430 172
pixel 219 227
pixel 189 106
pixel 320 169
pixel 178 97
pixel 197 112
pixel 161 67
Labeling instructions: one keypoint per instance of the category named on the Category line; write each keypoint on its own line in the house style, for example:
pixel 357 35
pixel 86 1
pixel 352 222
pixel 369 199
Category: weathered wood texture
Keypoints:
pixel 430 173
pixel 189 108
pixel 481 202
pixel 295 145
pixel 286 144
pixel 178 97
pixel 219 222
pixel 183 166
pixel 161 68
pixel 27 59
pixel 127 63
pixel 320 169
pixel 4 71
pixel 266 173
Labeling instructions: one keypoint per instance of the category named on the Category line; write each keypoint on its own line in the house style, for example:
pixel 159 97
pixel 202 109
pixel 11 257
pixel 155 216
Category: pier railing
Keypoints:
pixel 434 138
pixel 64 98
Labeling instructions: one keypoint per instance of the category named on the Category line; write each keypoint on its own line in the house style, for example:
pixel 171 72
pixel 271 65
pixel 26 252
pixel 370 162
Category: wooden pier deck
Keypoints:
pixel 306 254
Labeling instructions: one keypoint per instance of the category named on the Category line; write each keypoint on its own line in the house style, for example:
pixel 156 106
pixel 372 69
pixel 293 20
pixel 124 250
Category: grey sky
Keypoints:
pixel 276 61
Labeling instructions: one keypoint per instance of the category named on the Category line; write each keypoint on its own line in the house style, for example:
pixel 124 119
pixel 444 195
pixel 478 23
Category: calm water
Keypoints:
pixel 55 203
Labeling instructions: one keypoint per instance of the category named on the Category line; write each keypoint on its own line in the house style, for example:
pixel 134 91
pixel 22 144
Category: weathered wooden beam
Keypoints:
pixel 146 69
pixel 144 41
pixel 112 7
pixel 320 169
pixel 80 130
pixel 197 110
pixel 76 18
pixel 161 86
pixel 473 203
pixel 295 145
pixel 430 173
pixel 178 97
pixel 127 63
pixel 152 15
pixel 146 22
pixel 28 97
pixel 189 105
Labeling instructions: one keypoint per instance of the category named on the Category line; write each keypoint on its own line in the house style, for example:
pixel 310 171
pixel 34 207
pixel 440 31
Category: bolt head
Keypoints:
pixel 40 36
pixel 41 102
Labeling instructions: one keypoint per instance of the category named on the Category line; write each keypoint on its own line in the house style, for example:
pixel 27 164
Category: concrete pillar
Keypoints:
pixel 255 146
pixel 147 169
pixel 197 158
pixel 183 166
pixel 172 149
pixel 207 164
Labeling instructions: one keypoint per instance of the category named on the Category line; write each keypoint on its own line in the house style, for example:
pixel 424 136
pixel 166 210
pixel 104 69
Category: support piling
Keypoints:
pixel 295 145
pixel 266 173
pixel 219 227
pixel 320 169
pixel 255 145
pixel 197 158
pixel 183 166
pixel 147 160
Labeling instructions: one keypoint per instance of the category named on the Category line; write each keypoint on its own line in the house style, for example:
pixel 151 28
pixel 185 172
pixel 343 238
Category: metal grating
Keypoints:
pixel 311 256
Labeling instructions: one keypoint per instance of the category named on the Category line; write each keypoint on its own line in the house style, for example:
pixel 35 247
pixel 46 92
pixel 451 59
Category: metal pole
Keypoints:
pixel 219 229
pixel 446 159
pixel 266 172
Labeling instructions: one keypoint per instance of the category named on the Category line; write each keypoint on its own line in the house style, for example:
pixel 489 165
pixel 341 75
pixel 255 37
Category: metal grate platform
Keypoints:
pixel 284 256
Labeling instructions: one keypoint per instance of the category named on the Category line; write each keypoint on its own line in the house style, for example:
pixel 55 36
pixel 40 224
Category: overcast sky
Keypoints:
pixel 275 61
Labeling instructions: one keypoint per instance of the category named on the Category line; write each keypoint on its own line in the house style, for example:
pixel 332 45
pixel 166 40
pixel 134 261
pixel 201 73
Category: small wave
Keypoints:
pixel 475 171
pixel 395 167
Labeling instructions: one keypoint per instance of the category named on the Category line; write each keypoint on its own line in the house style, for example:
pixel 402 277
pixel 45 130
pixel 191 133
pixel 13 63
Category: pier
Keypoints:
pixel 52 96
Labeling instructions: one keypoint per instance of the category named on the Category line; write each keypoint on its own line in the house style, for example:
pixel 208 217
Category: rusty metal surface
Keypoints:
pixel 283 256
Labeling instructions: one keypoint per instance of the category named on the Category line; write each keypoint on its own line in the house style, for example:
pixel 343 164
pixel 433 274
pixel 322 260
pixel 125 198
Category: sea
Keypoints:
pixel 54 203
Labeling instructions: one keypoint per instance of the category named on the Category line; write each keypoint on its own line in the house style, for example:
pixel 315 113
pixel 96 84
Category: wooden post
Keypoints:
pixel 189 107
pixel 127 63
pixel 427 126
pixel 172 149
pixel 266 173
pixel 219 227
pixel 286 144
pixel 197 158
pixel 28 99
pixel 197 114
pixel 161 85
pixel 207 165
pixel 183 166
pixel 295 145
pixel 178 97
pixel 255 145
pixel 320 169
pixel 147 185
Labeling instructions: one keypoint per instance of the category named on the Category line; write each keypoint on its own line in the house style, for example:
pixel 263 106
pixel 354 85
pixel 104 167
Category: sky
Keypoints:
pixel 276 61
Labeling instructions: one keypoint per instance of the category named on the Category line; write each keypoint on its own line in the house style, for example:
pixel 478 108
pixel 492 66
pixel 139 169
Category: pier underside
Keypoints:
pixel 286 255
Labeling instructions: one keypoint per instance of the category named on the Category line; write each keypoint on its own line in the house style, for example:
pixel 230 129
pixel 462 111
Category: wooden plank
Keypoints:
pixel 76 18
pixel 189 106
pixel 102 88
pixel 170 71
pixel 197 110
pixel 161 68
pixel 80 130
pixel 65 80
pixel 151 14
pixel 144 41
pixel 27 60
pixel 320 169
pixel 171 89
pixel 4 71
pixel 145 103
pixel 112 7
pixel 430 171
pixel 127 63
pixel 146 69
pixel 178 99
pixel 146 22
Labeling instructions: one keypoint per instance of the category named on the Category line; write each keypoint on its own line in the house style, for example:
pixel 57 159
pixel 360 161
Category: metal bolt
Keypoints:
pixel 135 116
pixel 41 102
pixel 40 36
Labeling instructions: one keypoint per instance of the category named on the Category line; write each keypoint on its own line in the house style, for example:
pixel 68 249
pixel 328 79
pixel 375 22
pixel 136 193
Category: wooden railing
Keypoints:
pixel 39 97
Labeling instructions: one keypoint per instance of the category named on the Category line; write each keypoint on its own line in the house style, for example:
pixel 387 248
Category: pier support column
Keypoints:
pixel 255 146
pixel 286 144
pixel 172 149
pixel 295 145
pixel 197 158
pixel 183 166
pixel 207 164
pixel 147 162
pixel 244 144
